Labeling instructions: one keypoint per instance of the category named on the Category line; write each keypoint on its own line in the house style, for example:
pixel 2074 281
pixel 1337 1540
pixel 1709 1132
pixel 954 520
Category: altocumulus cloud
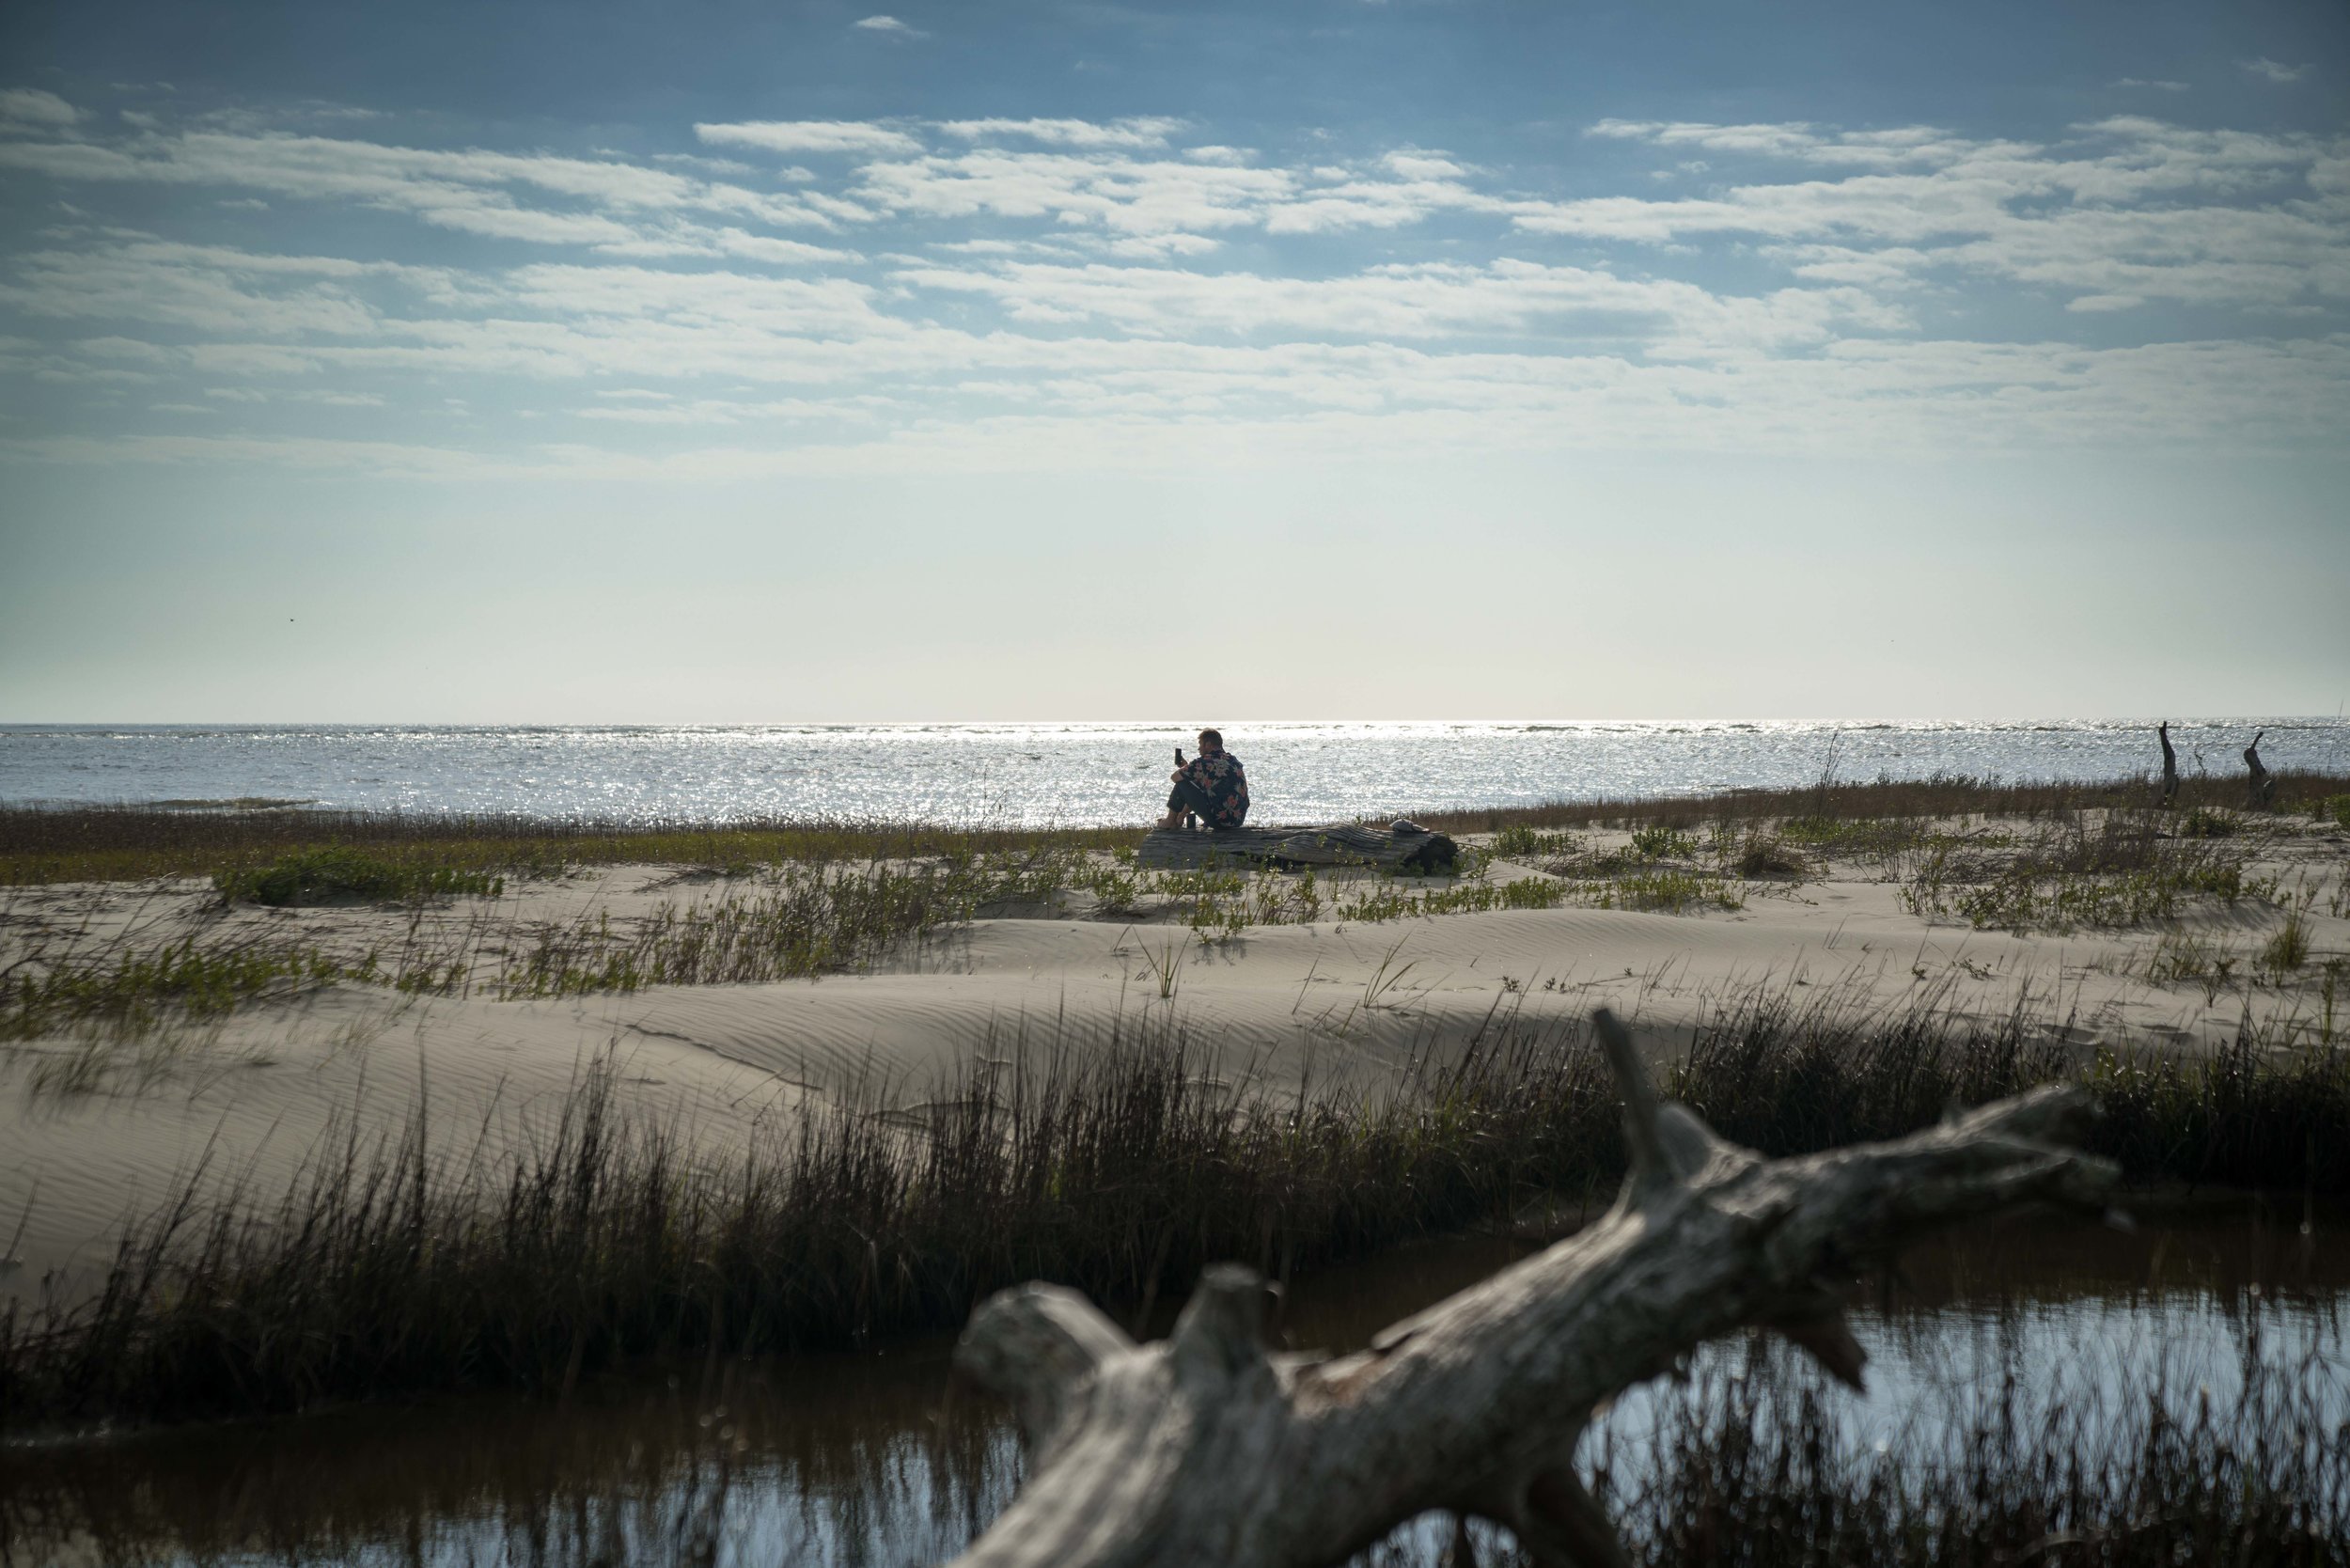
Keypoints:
pixel 852 295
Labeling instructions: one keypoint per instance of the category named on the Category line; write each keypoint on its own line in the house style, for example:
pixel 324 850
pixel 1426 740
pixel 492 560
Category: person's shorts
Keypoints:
pixel 1187 796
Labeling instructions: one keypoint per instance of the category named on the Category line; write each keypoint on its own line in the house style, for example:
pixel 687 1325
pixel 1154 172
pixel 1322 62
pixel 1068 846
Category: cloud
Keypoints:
pixel 888 26
pixel 32 106
pixel 2274 71
pixel 534 197
pixel 2135 208
pixel 1057 292
pixel 2152 86
pixel 1126 196
pixel 1894 148
pixel 855 137
pixel 1145 130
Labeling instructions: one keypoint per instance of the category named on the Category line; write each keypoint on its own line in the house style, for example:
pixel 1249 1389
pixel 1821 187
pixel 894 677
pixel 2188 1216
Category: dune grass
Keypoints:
pixel 118 843
pixel 1121 1168
pixel 128 842
pixel 344 874
pixel 1818 807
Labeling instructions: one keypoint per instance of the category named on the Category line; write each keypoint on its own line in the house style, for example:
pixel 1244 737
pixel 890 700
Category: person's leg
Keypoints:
pixel 1187 796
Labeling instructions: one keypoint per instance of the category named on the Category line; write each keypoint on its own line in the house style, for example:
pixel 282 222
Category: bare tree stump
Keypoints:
pixel 2260 786
pixel 2170 764
pixel 1206 1448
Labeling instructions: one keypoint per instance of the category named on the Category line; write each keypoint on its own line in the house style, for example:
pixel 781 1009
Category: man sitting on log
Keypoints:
pixel 1210 786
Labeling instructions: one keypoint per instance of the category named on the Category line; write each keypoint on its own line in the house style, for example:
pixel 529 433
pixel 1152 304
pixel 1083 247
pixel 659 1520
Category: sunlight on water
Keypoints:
pixel 1070 773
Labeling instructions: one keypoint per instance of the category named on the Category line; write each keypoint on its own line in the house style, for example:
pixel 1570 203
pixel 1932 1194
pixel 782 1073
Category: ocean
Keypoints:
pixel 1070 773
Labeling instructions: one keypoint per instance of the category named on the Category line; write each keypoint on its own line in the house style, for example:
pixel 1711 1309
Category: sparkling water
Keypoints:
pixel 1071 773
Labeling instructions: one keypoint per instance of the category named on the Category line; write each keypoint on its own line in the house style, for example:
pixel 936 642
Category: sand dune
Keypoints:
pixel 248 1103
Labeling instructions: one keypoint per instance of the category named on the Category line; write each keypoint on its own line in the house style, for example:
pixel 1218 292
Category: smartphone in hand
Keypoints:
pixel 1178 756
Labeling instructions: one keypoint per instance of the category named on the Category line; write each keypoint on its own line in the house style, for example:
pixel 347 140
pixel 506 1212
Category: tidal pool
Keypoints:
pixel 880 1459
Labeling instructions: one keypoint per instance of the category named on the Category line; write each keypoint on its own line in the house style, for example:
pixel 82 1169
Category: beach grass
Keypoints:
pixel 1120 1166
pixel 1819 809
pixel 40 845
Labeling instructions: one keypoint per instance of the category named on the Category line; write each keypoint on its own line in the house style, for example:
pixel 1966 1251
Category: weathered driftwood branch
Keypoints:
pixel 1342 844
pixel 2169 764
pixel 1209 1448
pixel 2260 790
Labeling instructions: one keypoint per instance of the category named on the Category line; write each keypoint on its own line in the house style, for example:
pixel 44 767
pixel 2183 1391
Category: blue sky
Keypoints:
pixel 730 363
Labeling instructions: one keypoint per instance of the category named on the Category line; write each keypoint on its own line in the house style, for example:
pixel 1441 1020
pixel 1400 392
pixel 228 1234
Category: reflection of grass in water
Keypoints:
pixel 1754 1461
pixel 1753 1466
pixel 1121 1170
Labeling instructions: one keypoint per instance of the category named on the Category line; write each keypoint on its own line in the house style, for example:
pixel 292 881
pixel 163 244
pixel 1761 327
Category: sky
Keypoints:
pixel 718 362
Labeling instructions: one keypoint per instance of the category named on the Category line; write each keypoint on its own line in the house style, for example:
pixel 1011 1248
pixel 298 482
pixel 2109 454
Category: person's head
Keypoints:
pixel 1212 740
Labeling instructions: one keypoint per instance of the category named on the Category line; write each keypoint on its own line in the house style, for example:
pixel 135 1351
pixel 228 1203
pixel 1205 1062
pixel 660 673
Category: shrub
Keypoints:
pixel 1657 842
pixel 342 874
pixel 1767 854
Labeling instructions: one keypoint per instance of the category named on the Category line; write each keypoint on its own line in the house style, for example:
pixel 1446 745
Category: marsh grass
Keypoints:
pixel 1120 1166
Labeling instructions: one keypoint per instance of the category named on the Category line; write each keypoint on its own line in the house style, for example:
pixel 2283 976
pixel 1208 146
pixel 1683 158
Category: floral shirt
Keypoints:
pixel 1222 778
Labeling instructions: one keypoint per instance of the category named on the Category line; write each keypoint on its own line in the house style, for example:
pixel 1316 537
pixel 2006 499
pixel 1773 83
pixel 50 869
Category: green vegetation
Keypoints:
pixel 1655 841
pixel 1670 892
pixel 130 993
pixel 386 1271
pixel 1760 853
pixel 802 920
pixel 40 845
pixel 2124 869
pixel 343 874
pixel 1816 808
pixel 1520 842
pixel 2336 807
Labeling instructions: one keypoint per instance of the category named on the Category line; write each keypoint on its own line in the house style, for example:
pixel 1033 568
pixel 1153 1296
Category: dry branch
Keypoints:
pixel 1210 1447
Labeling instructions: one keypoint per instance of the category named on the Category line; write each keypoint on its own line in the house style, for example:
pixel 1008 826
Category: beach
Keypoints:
pixel 100 1134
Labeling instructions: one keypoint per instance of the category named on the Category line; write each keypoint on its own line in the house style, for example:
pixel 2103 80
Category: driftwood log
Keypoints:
pixel 2260 787
pixel 1207 1448
pixel 2169 764
pixel 1343 844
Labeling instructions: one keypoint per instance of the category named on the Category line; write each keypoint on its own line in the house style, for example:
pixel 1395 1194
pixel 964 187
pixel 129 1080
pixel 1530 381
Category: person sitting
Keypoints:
pixel 1211 785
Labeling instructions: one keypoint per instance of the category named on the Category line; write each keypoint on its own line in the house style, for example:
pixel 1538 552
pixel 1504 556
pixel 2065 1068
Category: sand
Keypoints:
pixel 251 1101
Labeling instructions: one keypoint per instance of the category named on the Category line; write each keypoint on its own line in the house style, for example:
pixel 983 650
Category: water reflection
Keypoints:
pixel 1059 773
pixel 878 1459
